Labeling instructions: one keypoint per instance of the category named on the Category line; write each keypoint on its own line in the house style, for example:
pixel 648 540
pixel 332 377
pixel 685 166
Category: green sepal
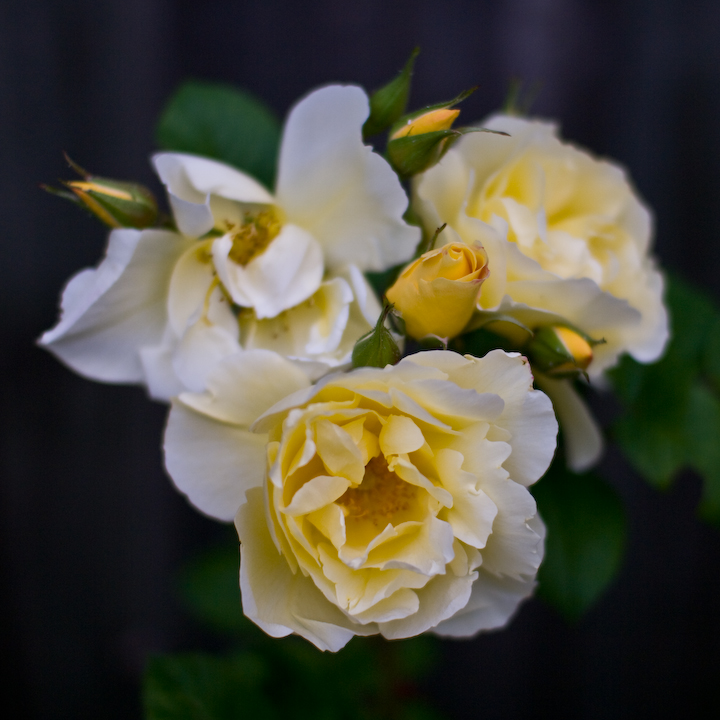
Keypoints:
pixel 377 348
pixel 548 353
pixel 99 196
pixel 389 102
pixel 414 154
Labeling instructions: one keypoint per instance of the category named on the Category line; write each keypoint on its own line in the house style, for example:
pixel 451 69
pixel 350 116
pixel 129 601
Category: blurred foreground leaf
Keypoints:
pixel 210 588
pixel 195 686
pixel 585 539
pixel 672 407
pixel 225 123
pixel 369 678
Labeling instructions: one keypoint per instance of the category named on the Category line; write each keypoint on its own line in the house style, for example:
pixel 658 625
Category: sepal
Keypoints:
pixel 377 348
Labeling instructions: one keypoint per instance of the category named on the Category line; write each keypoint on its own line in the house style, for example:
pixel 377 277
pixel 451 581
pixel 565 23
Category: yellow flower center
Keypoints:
pixel 254 235
pixel 380 496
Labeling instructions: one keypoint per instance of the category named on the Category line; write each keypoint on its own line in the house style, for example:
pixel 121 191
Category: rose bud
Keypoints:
pixel 117 204
pixel 436 294
pixel 441 119
pixel 559 351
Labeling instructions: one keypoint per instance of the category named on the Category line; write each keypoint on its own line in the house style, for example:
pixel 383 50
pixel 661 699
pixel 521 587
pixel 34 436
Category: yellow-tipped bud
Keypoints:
pixel 441 119
pixel 560 351
pixel 115 203
pixel 437 294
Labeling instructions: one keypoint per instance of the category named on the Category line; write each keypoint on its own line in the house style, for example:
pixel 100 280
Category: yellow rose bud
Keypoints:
pixel 436 294
pixel 560 351
pixel 441 119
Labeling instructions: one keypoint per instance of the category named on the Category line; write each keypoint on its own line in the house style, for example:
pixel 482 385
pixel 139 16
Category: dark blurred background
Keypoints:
pixel 92 533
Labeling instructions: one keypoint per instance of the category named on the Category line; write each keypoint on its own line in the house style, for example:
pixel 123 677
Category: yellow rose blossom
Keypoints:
pixel 387 501
pixel 436 294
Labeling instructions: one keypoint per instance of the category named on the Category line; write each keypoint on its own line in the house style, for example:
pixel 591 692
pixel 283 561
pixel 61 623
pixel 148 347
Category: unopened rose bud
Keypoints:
pixel 432 121
pixel 113 202
pixel 377 348
pixel 437 294
pixel 419 140
pixel 559 351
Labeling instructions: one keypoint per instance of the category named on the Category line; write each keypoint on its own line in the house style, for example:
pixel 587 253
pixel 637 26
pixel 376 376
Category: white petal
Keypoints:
pixel 243 386
pixel 193 178
pixel 162 382
pixel 288 272
pixel 192 219
pixel 583 438
pixel 111 312
pixel 212 463
pixel 493 602
pixel 312 329
pixel 335 187
pixel 199 351
pixel 189 286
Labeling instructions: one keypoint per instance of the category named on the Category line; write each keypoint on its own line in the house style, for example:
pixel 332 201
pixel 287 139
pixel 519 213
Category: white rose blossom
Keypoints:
pixel 567 240
pixel 389 501
pixel 248 269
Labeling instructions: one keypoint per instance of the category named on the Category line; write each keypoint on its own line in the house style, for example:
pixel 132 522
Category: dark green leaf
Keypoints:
pixel 225 123
pixel 209 585
pixel 672 418
pixel 702 427
pixel 194 686
pixel 389 102
pixel 585 539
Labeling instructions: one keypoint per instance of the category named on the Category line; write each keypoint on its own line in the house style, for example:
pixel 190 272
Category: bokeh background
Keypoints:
pixel 91 532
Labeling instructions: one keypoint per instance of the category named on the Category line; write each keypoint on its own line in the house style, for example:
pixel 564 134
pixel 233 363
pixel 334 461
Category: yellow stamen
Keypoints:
pixel 380 495
pixel 253 236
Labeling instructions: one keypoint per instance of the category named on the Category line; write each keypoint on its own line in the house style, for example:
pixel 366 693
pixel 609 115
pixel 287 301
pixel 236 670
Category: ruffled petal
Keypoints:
pixel 278 600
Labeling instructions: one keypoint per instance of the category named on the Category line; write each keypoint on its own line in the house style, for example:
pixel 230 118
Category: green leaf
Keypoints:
pixel 225 123
pixel 195 686
pixel 672 416
pixel 585 539
pixel 389 102
pixel 702 427
pixel 209 586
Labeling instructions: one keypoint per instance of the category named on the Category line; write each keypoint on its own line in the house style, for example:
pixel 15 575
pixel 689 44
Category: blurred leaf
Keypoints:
pixel 195 686
pixel 369 679
pixel 585 539
pixel 389 102
pixel 222 122
pixel 672 407
pixel 209 585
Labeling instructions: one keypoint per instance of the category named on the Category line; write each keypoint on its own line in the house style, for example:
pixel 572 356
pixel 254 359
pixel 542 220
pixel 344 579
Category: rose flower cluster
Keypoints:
pixel 377 474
